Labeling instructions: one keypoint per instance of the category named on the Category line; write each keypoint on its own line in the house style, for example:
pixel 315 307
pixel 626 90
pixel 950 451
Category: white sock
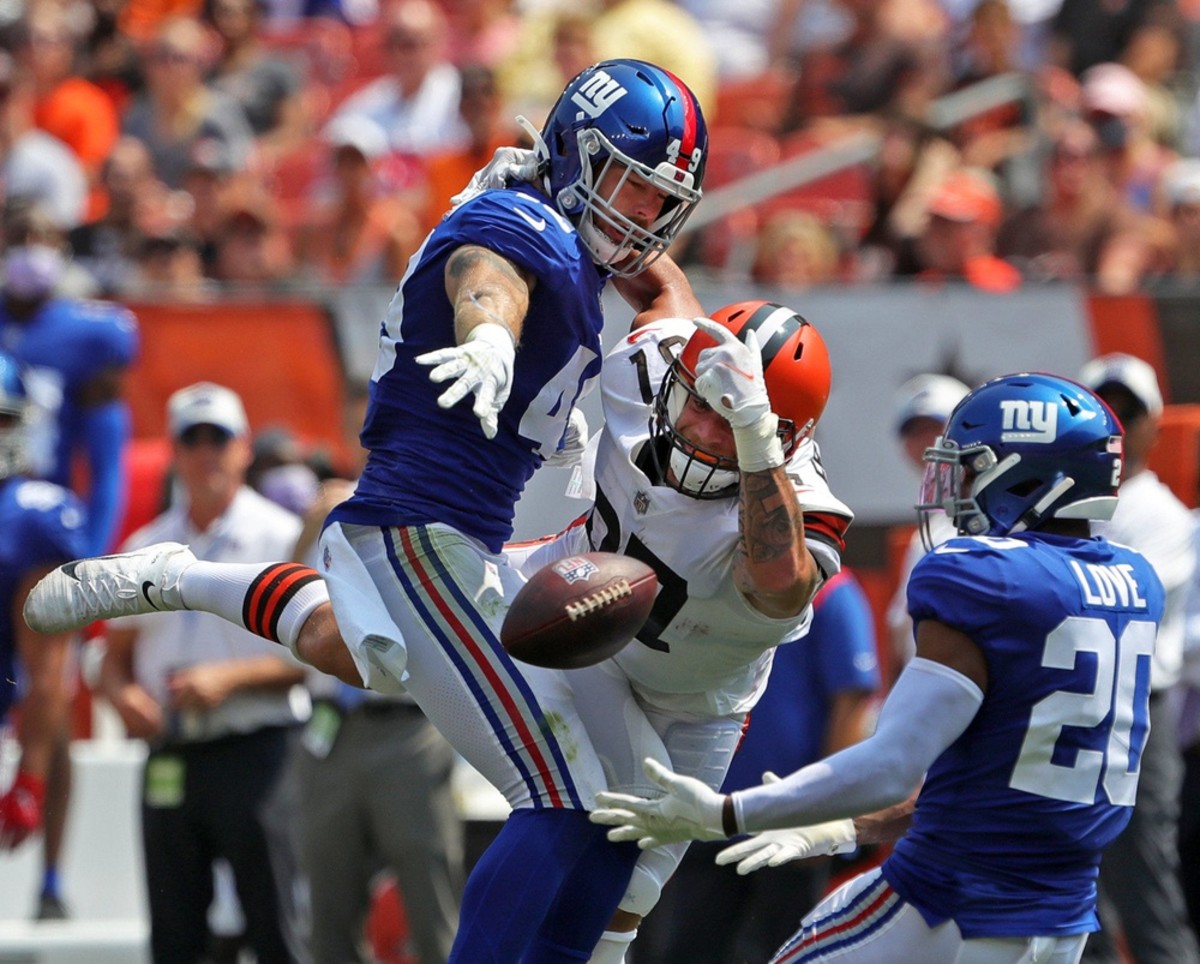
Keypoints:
pixel 612 947
pixel 272 600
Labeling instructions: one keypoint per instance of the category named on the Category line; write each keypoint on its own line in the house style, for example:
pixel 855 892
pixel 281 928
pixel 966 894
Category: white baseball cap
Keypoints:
pixel 928 396
pixel 206 404
pixel 1131 373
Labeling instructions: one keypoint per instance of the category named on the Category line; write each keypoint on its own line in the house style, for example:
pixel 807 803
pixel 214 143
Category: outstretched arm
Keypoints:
pixel 661 291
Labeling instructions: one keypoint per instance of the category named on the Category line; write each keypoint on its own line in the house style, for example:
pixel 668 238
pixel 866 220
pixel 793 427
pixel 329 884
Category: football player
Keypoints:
pixel 1025 710
pixel 41 526
pixel 491 338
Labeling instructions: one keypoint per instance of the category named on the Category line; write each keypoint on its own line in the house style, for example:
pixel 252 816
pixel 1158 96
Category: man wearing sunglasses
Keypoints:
pixel 211 701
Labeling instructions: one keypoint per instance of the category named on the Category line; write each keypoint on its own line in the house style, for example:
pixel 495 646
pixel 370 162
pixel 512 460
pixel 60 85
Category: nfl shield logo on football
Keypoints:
pixel 641 502
pixel 574 569
pixel 327 559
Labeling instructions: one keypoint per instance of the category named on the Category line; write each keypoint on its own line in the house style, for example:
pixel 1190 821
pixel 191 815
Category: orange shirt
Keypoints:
pixel 82 116
pixel 447 174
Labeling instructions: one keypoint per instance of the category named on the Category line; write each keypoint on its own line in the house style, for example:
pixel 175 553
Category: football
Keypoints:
pixel 579 610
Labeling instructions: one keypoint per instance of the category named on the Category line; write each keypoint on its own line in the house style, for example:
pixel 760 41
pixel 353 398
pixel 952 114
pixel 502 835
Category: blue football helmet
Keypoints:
pixel 1022 449
pixel 14 418
pixel 637 119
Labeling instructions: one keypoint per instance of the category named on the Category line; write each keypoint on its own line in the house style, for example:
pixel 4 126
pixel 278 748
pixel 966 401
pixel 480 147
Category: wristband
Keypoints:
pixel 495 334
pixel 758 445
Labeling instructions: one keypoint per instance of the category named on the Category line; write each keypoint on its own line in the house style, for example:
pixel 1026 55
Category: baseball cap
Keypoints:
pixel 927 396
pixel 206 404
pixel 360 133
pixel 1112 89
pixel 967 196
pixel 1127 371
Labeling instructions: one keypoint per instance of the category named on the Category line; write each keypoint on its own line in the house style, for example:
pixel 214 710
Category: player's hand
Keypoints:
pixel 773 848
pixel 21 809
pixel 482 365
pixel 688 810
pixel 729 376
pixel 507 165
pixel 574 442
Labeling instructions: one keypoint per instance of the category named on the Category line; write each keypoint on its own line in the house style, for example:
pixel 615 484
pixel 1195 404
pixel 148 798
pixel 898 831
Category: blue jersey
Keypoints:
pixel 1012 818
pixel 428 464
pixel 63 347
pixel 41 525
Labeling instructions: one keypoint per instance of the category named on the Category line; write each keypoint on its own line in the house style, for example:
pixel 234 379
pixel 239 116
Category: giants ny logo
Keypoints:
pixel 1029 421
pixel 598 93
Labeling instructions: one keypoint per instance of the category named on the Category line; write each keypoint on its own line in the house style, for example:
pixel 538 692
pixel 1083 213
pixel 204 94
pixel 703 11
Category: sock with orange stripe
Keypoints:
pixel 271 600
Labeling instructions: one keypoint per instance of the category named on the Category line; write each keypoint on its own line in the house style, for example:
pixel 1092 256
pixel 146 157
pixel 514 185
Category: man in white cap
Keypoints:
pixel 211 701
pixel 1140 892
pixel 923 403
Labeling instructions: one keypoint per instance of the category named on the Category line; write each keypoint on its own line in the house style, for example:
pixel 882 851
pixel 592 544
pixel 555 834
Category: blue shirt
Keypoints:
pixel 788 726
pixel 41 525
pixel 1012 818
pixel 429 464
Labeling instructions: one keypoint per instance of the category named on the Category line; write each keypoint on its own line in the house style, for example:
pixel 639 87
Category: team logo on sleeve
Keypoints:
pixel 597 94
pixel 1028 421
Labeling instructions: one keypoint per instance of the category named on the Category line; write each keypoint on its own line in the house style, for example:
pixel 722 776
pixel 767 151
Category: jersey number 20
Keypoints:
pixel 1116 689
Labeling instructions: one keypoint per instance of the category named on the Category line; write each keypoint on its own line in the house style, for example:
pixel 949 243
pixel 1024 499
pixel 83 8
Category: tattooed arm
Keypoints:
pixel 773 567
pixel 485 287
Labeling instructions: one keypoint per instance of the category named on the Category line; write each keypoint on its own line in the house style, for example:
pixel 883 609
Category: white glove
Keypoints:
pixel 482 364
pixel 729 376
pixel 508 164
pixel 574 442
pixel 688 810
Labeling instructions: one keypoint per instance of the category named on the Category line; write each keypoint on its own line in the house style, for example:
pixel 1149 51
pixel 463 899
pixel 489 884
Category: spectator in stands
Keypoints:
pixel 483 111
pixel 959 240
pixel 923 403
pixel 1140 892
pixel 170 267
pixel 416 101
pixel 795 250
pixel 554 46
pixel 34 164
pixel 482 31
pixel 177 109
pixel 1181 189
pixel 1114 102
pixel 217 727
pixel 251 248
pixel 817 702
pixel 663 33
pixel 109 58
pixel 212 184
pixel 738 33
pixel 1064 237
pixel 358 233
pixel 108 247
pixel 266 87
pixel 67 105
pixel 1084 33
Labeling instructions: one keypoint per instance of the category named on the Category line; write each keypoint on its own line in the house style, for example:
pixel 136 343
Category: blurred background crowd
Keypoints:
pixel 187 146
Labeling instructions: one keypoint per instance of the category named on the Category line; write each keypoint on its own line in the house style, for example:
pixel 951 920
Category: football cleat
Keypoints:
pixel 127 584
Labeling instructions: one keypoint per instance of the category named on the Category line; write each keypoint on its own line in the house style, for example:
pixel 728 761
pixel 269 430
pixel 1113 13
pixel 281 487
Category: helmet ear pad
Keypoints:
pixel 640 121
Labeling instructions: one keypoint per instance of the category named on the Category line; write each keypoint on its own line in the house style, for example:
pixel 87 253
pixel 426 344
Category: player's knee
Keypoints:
pixel 642 893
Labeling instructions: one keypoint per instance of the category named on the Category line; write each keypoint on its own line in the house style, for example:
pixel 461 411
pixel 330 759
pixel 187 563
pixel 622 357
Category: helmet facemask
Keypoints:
pixel 615 241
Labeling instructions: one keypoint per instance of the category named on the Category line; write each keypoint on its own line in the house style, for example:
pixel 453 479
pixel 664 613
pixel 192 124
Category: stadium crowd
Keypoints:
pixel 197 145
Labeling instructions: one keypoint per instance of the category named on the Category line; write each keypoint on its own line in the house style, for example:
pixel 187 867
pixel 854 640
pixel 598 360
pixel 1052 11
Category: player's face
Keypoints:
pixel 705 428
pixel 631 195
pixel 211 463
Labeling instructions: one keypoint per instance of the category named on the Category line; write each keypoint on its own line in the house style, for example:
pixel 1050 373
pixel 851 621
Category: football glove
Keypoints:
pixel 773 848
pixel 482 365
pixel 21 809
pixel 508 164
pixel 574 442
pixel 729 376
pixel 688 810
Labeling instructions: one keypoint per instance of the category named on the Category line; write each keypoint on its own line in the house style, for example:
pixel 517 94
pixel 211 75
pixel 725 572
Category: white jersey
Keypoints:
pixel 705 649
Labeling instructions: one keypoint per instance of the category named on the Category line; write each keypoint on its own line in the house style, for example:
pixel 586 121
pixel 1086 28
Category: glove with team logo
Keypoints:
pixel 507 165
pixel 729 376
pixel 574 442
pixel 21 809
pixel 482 365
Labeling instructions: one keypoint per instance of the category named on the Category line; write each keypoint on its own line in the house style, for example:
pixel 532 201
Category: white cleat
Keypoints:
pixel 80 592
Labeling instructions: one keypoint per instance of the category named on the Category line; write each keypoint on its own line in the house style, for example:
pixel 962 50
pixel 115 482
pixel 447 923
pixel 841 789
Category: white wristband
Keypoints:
pixel 758 445
pixel 495 334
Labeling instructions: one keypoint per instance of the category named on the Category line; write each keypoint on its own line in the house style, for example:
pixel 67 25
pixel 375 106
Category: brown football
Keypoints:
pixel 579 610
